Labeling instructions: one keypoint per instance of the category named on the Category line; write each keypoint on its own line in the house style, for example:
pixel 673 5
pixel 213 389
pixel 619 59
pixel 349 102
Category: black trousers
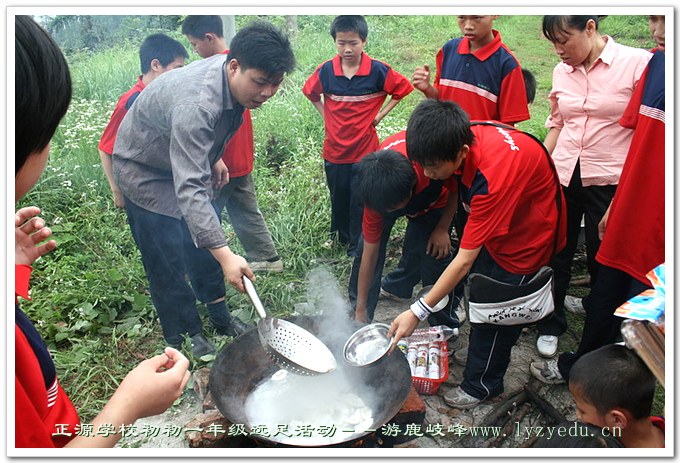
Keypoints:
pixel 583 203
pixel 346 208
pixel 602 327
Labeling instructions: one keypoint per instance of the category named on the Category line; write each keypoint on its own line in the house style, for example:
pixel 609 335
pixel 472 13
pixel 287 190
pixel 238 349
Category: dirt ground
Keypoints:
pixel 516 379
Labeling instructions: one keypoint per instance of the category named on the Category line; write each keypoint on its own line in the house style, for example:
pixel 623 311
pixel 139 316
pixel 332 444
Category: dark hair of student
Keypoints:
pixel 262 46
pixel 529 85
pixel 574 434
pixel 350 23
pixel 42 88
pixel 160 47
pixel 386 179
pixel 614 376
pixel 556 26
pixel 436 131
pixel 199 25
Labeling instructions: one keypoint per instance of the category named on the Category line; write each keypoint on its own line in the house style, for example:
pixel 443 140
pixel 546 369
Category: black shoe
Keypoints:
pixel 200 346
pixel 235 328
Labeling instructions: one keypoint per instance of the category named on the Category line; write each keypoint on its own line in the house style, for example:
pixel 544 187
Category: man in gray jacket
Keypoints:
pixel 167 162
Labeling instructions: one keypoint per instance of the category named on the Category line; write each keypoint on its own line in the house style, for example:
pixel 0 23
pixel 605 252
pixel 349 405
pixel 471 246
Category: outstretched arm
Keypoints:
pixel 149 389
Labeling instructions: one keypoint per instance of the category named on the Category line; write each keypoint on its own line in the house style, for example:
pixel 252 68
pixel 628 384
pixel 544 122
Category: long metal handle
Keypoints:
pixel 252 294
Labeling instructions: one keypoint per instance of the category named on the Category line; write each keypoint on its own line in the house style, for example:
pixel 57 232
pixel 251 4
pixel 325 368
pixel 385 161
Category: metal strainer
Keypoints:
pixel 289 345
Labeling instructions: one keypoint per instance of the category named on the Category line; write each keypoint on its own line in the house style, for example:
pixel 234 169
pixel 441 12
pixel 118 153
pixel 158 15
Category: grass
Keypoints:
pixel 90 300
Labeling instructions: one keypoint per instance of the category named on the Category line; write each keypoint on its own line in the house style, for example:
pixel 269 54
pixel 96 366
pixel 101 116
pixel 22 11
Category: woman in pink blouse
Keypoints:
pixel 591 88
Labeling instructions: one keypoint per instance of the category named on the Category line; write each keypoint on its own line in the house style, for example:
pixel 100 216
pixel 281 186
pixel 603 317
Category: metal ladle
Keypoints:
pixel 289 345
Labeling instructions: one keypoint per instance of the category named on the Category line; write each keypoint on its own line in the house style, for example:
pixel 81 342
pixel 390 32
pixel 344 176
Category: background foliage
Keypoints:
pixel 90 298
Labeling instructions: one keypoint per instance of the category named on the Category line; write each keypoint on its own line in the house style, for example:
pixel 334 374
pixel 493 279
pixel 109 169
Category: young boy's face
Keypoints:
pixel 205 47
pixel 30 172
pixel 349 46
pixel 251 87
pixel 477 28
pixel 174 64
pixel 441 170
pixel 586 412
pixel 657 26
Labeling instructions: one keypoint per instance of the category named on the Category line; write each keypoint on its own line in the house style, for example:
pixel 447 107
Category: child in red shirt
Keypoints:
pixel 44 415
pixel 157 54
pixel 354 87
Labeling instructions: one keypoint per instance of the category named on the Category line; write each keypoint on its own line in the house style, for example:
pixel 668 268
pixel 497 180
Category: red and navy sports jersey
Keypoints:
pixel 351 105
pixel 124 104
pixel 487 83
pixel 428 194
pixel 634 240
pixel 508 186
pixel 44 415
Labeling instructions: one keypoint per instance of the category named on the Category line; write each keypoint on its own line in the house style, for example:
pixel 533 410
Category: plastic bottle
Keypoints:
pixel 433 333
pixel 411 356
pixel 433 355
pixel 421 361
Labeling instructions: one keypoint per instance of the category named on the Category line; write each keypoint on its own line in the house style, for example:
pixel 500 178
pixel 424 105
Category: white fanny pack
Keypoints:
pixel 497 303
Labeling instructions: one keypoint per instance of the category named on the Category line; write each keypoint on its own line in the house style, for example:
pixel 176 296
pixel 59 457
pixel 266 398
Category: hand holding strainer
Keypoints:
pixel 289 345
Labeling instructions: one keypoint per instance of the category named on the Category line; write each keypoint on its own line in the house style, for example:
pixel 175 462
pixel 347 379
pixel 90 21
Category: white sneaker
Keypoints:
pixel 574 305
pixel 392 297
pixel 547 372
pixel 547 345
pixel 266 266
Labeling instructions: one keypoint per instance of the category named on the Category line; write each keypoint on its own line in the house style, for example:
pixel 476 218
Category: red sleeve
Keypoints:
pixel 513 106
pixel 22 275
pixel 397 85
pixel 372 225
pixel 312 88
pixel 439 63
pixel 109 135
pixel 632 112
pixel 37 424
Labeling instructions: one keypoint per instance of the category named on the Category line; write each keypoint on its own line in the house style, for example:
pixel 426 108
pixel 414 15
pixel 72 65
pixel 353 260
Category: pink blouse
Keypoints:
pixel 587 106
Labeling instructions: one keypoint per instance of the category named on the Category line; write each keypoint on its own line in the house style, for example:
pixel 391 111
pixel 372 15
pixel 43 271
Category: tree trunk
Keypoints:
pixel 291 25
pixel 229 27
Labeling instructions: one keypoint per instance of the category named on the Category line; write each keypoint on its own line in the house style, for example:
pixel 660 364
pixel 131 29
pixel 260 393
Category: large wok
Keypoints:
pixel 243 364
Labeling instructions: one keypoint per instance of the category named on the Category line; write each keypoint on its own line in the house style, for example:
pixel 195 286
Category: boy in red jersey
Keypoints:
pixel 392 186
pixel 625 261
pixel 157 54
pixel 478 72
pixel 507 183
pixel 43 414
pixel 349 91
pixel 205 35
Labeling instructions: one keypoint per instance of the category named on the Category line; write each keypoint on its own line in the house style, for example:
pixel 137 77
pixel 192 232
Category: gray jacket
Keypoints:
pixel 169 140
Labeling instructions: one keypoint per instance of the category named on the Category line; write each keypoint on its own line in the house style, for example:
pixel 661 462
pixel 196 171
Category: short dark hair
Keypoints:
pixel 529 85
pixel 161 47
pixel 350 23
pixel 554 26
pixel 436 131
pixel 199 25
pixel 261 45
pixel 42 88
pixel 386 178
pixel 574 434
pixel 614 376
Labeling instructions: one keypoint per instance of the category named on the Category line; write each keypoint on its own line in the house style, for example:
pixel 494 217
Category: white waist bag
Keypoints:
pixel 497 303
